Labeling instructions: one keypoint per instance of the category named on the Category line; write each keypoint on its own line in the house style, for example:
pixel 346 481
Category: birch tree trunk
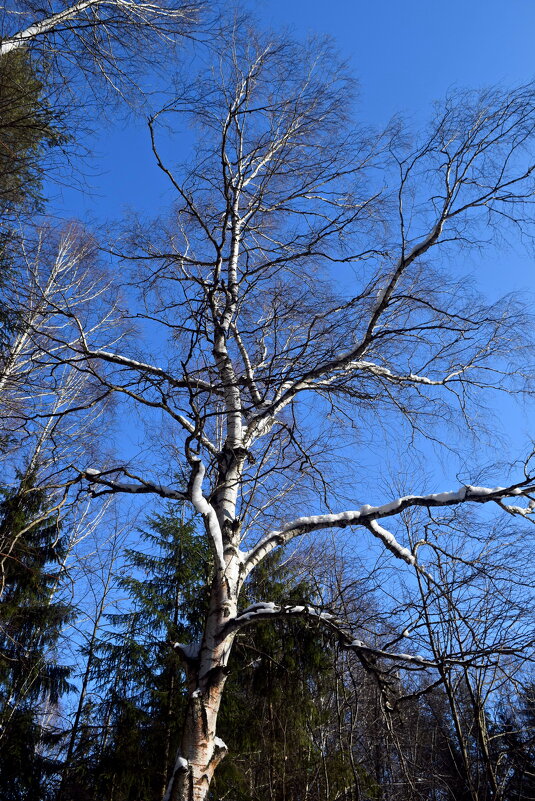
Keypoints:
pixel 201 750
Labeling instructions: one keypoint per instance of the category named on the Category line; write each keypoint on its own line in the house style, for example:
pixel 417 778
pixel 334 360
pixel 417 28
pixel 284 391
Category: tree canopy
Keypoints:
pixel 238 373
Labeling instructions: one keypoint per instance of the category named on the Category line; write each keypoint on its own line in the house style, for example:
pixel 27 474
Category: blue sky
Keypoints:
pixel 407 54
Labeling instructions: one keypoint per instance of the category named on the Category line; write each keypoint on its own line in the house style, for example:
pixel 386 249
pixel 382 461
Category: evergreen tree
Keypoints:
pixel 142 683
pixel 31 128
pixel 517 738
pixel 31 678
pixel 137 672
pixel 280 751
pixel 334 741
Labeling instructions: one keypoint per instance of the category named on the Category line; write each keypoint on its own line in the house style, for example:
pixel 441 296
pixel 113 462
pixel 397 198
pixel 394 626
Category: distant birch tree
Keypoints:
pixel 51 417
pixel 295 269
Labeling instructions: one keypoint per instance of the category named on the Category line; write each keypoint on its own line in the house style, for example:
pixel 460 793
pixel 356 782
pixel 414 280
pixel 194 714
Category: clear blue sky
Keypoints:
pixel 407 53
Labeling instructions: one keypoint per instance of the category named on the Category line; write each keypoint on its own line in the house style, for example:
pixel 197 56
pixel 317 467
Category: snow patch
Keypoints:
pixel 391 543
pixel 208 512
pixel 190 650
pixel 367 515
pixel 262 606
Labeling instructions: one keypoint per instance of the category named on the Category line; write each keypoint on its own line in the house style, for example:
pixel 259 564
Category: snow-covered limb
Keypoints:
pixel 388 539
pixel 410 378
pixel 190 652
pixel 265 611
pixel 422 661
pixel 181 766
pixel 151 369
pixel 206 510
pixel 101 478
pixel 143 369
pixel 368 515
pixel 270 611
pixel 262 421
pixel 219 745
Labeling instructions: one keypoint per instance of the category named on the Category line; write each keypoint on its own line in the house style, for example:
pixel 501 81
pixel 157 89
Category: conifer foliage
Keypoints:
pixel 142 686
pixel 31 130
pixel 32 679
pixel 136 673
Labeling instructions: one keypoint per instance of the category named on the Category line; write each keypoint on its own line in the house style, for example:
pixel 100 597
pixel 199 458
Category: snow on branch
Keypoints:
pixel 269 611
pixel 367 516
pixel 102 478
pixel 411 378
pixel 466 658
pixel 206 510
pixel 189 652
pixel 344 365
pixel 391 543
pixel 181 766
pixel 151 369
pixel 144 369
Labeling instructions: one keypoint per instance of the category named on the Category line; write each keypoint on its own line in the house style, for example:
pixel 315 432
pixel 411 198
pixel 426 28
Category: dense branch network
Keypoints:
pixel 246 322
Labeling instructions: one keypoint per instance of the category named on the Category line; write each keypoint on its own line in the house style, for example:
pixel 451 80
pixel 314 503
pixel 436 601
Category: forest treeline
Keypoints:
pixel 352 684
pixel 303 718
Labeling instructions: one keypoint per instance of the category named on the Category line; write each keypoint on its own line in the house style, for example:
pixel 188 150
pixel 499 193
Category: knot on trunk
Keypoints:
pixel 231 456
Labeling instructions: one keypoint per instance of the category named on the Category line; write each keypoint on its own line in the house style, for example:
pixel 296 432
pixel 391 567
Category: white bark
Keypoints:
pixel 136 11
pixel 44 26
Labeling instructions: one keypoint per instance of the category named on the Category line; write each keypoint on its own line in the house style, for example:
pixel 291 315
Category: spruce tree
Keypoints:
pixel 31 678
pixel 136 671
pixel 516 735
pixel 135 728
pixel 29 126
pixel 32 128
pixel 280 750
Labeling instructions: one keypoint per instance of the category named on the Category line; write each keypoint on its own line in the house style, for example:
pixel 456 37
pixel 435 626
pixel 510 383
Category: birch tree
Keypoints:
pixel 61 21
pixel 306 262
pixel 50 413
pixel 57 270
pixel 97 38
